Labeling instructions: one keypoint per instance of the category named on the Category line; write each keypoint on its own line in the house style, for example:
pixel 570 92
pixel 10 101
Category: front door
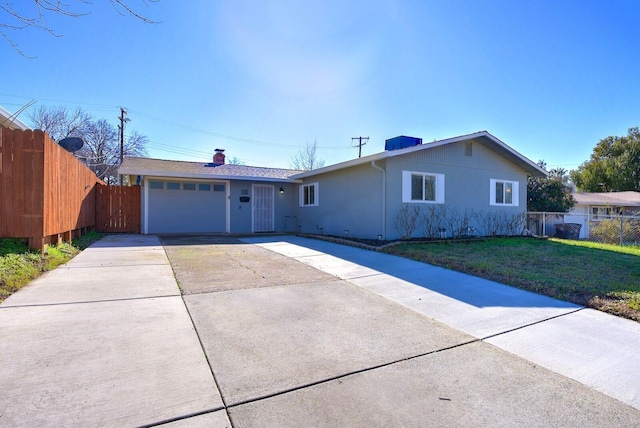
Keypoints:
pixel 262 208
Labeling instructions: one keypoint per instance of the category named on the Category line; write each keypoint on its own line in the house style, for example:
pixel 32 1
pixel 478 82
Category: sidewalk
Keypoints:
pixel 104 340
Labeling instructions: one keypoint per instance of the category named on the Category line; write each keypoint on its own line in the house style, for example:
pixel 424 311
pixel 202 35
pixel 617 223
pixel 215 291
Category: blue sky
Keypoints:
pixel 263 78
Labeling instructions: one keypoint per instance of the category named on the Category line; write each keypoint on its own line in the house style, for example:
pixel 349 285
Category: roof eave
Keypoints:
pixel 530 167
pixel 196 176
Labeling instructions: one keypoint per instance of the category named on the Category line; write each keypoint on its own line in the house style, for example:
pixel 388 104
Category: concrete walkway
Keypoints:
pixel 285 331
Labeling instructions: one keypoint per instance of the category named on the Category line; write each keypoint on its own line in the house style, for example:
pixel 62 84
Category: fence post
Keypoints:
pixel 544 224
pixel 621 230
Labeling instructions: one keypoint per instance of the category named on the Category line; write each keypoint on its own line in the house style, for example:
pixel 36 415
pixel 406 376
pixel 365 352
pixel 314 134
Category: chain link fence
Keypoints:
pixel 605 228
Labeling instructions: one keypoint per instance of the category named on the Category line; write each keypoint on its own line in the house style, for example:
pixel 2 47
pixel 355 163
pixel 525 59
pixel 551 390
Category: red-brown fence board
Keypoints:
pixel 118 209
pixel 45 191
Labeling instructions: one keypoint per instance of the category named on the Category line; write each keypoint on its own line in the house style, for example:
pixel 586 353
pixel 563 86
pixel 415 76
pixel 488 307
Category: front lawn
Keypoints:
pixel 604 277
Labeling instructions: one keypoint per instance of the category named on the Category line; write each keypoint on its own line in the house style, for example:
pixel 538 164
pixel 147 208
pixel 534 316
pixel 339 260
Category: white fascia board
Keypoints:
pixel 10 120
pixel 207 177
pixel 341 165
pixel 515 153
pixel 424 146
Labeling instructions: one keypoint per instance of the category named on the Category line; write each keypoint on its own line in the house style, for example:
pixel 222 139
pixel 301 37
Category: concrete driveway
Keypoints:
pixel 274 332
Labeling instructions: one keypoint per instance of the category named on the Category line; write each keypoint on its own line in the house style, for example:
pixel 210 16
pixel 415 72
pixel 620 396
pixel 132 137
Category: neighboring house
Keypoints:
pixel 11 121
pixel 594 207
pixel 363 196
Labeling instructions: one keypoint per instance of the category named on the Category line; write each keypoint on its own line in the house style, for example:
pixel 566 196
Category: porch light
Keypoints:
pixel 379 237
pixel 346 232
pixel 282 190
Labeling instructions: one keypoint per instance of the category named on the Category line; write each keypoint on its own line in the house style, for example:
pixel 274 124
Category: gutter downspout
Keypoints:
pixel 384 198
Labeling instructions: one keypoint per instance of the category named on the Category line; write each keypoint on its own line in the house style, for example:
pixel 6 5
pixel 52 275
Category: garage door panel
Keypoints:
pixel 187 209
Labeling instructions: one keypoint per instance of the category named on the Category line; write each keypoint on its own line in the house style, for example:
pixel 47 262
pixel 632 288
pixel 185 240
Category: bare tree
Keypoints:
pixel 235 161
pixel 306 159
pixel 101 150
pixel 34 14
pixel 59 122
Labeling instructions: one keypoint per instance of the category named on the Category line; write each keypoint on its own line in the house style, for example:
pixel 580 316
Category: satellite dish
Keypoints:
pixel 71 144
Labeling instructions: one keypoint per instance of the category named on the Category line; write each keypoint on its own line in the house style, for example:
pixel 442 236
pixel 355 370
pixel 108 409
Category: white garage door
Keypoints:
pixel 186 207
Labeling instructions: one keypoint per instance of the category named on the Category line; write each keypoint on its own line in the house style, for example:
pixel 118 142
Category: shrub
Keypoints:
pixel 608 231
pixel 407 220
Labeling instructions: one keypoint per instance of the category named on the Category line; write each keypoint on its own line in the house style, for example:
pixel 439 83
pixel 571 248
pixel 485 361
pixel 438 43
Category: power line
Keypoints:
pixel 204 131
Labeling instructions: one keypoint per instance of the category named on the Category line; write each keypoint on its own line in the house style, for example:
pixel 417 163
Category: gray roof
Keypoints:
pixel 530 167
pixel 627 199
pixel 181 169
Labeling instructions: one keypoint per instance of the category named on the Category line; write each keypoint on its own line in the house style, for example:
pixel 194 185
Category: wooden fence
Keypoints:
pixel 118 209
pixel 47 195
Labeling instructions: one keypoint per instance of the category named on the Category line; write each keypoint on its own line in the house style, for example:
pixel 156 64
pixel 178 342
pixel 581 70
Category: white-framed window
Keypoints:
pixel 504 193
pixel 422 187
pixel 309 195
pixel 605 212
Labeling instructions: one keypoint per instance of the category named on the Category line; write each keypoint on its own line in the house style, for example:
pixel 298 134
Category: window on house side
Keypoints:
pixel 218 187
pixel 203 187
pixel 504 192
pixel 422 187
pixel 309 195
pixel 173 186
pixel 189 186
pixel 156 185
pixel 605 212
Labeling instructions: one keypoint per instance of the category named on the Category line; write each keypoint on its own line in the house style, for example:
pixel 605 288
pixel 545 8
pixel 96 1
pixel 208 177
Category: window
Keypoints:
pixel 189 186
pixel 504 192
pixel 156 185
pixel 173 186
pixel 422 187
pixel 204 187
pixel 605 212
pixel 309 195
pixel 218 187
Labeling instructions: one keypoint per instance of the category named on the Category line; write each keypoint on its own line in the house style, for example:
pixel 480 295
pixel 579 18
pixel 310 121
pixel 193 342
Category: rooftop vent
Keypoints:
pixel 401 142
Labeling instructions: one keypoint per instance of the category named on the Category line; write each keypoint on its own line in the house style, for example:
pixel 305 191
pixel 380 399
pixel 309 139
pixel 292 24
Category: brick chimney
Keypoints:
pixel 218 158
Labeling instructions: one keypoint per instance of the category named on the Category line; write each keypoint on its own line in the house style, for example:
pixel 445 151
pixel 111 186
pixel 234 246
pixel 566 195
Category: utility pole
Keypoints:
pixel 360 144
pixel 122 119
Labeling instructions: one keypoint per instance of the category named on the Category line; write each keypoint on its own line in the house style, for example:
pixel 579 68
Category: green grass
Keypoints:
pixel 601 276
pixel 19 265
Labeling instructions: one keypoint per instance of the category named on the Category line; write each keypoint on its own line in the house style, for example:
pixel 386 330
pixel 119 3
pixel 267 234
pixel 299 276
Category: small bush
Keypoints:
pixel 407 220
pixel 13 246
pixel 608 231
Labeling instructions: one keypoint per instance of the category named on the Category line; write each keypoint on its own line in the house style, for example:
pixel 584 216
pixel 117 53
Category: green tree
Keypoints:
pixel 614 165
pixel 551 193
